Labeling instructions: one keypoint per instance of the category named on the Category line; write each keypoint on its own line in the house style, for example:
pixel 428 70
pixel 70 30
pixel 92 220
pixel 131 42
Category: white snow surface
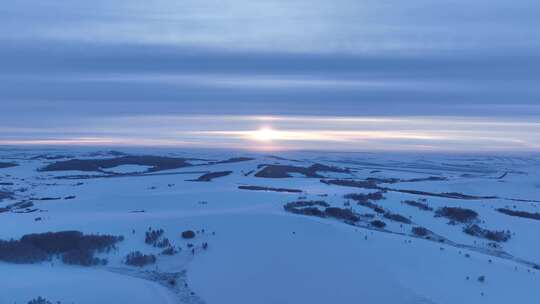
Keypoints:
pixel 259 253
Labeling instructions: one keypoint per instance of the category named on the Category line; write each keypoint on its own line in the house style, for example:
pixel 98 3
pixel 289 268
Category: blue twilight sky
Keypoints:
pixel 448 75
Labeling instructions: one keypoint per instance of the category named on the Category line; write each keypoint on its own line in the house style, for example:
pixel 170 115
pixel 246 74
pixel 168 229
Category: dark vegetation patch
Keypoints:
pixel 311 208
pixel 40 300
pixel 301 204
pixel 418 204
pixel 7 165
pixel 362 198
pixel 364 184
pixel 420 231
pixel 380 180
pixel 169 251
pixel 373 184
pixel 492 235
pixel 18 207
pixel 425 179
pixel 453 195
pixel 46 198
pixel 461 215
pixel 259 188
pixel 248 173
pixel 523 214
pixel 139 259
pixel 73 247
pixel 365 200
pixel 156 239
pixel 4 194
pixel 151 237
pixel 210 176
pixel 503 175
pixel 233 160
pixel 378 224
pixel 283 171
pixel 341 213
pixel 397 217
pixel 157 163
pixel 393 180
pixel 188 234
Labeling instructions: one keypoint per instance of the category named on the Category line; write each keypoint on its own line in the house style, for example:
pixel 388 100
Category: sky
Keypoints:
pixel 348 75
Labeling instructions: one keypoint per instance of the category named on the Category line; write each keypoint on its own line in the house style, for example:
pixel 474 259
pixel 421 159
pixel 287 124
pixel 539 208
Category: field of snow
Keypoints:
pixel 249 248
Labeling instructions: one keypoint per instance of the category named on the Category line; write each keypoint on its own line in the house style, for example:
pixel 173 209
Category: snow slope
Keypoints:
pixel 259 253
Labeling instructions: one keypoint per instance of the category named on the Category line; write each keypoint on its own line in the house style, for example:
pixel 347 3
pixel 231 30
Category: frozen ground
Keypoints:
pixel 257 252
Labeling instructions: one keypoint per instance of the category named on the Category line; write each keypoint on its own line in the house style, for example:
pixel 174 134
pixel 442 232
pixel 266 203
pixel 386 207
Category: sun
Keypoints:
pixel 265 134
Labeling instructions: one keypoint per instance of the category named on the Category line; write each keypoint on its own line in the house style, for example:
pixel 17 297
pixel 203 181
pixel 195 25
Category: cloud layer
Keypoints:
pixel 68 63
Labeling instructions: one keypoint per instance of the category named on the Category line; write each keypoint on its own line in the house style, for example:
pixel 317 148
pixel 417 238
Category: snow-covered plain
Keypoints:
pixel 258 252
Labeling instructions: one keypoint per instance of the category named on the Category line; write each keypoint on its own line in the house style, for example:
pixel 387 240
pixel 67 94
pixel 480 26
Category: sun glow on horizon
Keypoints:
pixel 265 134
pixel 294 133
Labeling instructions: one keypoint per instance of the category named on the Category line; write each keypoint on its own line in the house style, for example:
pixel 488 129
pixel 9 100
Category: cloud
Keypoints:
pixel 472 134
pixel 341 26
pixel 443 74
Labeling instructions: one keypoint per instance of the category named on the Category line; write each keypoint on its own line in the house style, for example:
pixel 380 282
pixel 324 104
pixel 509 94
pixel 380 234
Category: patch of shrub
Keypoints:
pixel 378 224
pixel 20 205
pixel 259 188
pixel 138 259
pixel 283 171
pixel 233 160
pixel 457 214
pixel 7 165
pixel 208 177
pixel 364 198
pixel 420 231
pixel 339 213
pixel 396 217
pixel 5 194
pixel 73 246
pixel 306 208
pixel 153 236
pixel 188 234
pixel 310 211
pixel 523 214
pixel 419 205
pixel 169 251
pixel 300 204
pixel 40 300
pixel 366 184
pixel 164 243
pixel 492 235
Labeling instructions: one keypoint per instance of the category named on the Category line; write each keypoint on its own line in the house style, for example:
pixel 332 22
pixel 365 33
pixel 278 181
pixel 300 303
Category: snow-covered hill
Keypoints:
pixel 284 228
